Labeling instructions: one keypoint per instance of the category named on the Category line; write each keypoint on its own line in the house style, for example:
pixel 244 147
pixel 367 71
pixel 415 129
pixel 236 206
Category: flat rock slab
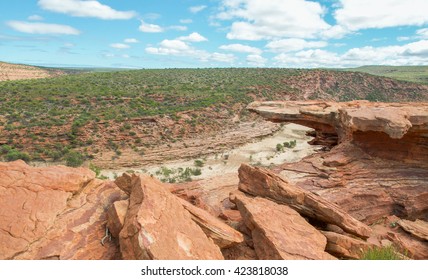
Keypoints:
pixel 343 246
pixel 418 228
pixel 222 234
pixel 157 226
pixel 278 231
pixel 261 182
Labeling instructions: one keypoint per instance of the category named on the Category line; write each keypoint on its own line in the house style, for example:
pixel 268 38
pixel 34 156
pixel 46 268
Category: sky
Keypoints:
pixel 214 33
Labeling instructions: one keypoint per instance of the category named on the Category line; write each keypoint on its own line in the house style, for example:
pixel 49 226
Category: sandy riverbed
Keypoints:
pixel 261 152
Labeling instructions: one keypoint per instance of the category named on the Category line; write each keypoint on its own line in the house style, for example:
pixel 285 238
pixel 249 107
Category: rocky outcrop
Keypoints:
pixel 54 213
pixel 418 228
pixel 344 246
pixel 158 227
pixel 261 182
pixel 379 166
pixel 223 235
pixel 279 232
pixel 116 217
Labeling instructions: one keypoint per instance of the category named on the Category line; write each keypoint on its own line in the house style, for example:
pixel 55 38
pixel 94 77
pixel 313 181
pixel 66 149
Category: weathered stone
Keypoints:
pixel 158 227
pixel 116 216
pixel 380 165
pixel 264 183
pixel 343 246
pixel 124 182
pixel 223 235
pixel 418 228
pixel 53 213
pixel 279 232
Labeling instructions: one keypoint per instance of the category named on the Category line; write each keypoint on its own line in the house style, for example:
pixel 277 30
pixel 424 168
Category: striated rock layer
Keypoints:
pixel 379 166
pixel 54 213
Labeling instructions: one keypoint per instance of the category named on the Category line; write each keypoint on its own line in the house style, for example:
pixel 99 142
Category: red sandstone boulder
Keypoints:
pixel 278 231
pixel 53 213
pixel 158 227
pixel 264 183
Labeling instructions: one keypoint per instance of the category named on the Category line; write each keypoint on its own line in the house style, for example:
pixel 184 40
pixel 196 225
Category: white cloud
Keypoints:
pixel 42 28
pixel 120 46
pixel 256 60
pixel 261 19
pixel 241 48
pixel 150 28
pixel 131 41
pixel 193 37
pixel 90 8
pixel 125 56
pixel 35 18
pixel 294 44
pixel 222 57
pixel 415 53
pixel 403 38
pixel 186 21
pixel 180 48
pixel 363 14
pixel 197 9
pixel 178 27
pixel 422 33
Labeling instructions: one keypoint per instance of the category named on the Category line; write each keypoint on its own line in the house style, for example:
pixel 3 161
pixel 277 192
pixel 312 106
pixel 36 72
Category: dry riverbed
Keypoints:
pixel 260 152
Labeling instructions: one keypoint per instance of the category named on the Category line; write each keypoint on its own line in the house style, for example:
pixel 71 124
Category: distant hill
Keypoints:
pixel 416 74
pixel 10 72
pixel 112 111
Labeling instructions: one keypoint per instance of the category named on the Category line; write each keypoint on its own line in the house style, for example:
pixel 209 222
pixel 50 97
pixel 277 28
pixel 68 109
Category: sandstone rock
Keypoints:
pixel 116 217
pixel 260 182
pixel 124 182
pixel 210 194
pixel 380 165
pixel 53 213
pixel 223 235
pixel 158 227
pixel 343 246
pixel 418 228
pixel 278 231
pixel 414 248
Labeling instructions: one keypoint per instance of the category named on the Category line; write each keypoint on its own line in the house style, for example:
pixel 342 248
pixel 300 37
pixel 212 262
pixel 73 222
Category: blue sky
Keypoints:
pixel 214 33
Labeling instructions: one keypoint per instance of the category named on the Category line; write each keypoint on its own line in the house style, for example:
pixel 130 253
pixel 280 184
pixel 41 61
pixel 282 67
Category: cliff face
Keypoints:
pixel 377 167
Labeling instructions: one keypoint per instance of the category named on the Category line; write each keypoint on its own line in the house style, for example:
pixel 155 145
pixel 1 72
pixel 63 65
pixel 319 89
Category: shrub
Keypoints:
pixel 199 163
pixel 74 159
pixel 15 155
pixel 279 147
pixel 95 168
pixel 383 253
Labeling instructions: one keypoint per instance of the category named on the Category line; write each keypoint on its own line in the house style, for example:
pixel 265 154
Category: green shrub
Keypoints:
pixel 74 159
pixel 95 168
pixel 5 149
pixel 199 163
pixel 383 253
pixel 15 155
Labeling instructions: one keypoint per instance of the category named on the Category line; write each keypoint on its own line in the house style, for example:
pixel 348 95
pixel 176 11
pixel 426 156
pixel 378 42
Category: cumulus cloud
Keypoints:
pixel 42 28
pixel 178 47
pixel 261 19
pixel 256 60
pixel 422 33
pixel 197 9
pixel 363 14
pixel 415 53
pixel 193 37
pixel 131 41
pixel 35 18
pixel 241 48
pixel 120 46
pixel 150 28
pixel 294 44
pixel 90 8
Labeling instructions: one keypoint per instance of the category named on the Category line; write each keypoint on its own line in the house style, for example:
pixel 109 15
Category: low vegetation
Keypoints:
pixel 90 113
pixel 381 253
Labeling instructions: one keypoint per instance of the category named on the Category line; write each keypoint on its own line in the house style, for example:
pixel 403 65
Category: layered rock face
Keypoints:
pixel 54 213
pixel 379 166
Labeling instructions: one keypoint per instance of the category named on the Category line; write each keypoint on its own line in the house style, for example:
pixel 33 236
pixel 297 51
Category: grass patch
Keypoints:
pixel 383 253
